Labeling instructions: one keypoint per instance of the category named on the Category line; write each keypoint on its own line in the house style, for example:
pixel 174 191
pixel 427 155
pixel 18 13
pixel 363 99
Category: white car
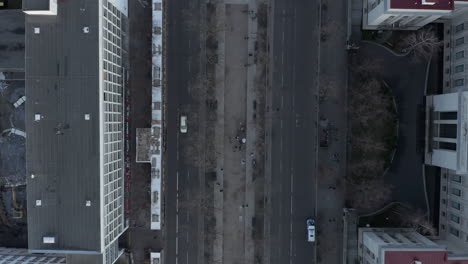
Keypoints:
pixel 183 124
pixel 310 230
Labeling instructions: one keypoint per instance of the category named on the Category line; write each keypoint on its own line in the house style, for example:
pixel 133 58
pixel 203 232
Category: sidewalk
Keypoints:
pixel 332 159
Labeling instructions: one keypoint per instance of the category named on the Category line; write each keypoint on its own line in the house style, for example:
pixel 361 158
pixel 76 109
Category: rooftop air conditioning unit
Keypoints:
pixel 48 240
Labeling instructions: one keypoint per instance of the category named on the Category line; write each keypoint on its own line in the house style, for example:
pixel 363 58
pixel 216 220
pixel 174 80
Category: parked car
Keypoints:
pixel 183 124
pixel 310 230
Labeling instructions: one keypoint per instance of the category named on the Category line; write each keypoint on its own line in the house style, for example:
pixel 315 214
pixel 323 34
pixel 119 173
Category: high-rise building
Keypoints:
pixel 75 71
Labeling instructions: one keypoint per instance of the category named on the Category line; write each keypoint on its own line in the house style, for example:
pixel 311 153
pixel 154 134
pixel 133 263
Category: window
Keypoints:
pixel 455 218
pixel 460 55
pixel 444 201
pixel 456 192
pixel 459 82
pixel 459 68
pixel 459 27
pixel 442 226
pixel 443 213
pixel 455 205
pixel 456 178
pixel 454 231
pixel 459 41
pixel 444 188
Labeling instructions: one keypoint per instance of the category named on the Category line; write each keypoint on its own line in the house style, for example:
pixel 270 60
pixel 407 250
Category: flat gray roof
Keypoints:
pixel 11 40
pixel 62 149
pixel 36 5
pixel 81 259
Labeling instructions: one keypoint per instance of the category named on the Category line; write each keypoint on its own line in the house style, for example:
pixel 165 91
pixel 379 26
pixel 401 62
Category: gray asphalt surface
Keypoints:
pixel 293 136
pixel 182 181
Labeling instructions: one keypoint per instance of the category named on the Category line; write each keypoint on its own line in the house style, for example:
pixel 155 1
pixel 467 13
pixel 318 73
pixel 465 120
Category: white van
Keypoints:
pixel 183 124
pixel 310 230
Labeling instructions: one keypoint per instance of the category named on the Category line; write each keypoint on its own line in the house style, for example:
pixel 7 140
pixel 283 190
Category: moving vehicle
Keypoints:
pixel 183 124
pixel 310 230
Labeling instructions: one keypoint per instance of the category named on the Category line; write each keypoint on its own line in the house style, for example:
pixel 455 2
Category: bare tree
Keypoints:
pixel 417 219
pixel 369 194
pixel 368 68
pixel 422 44
pixel 328 88
pixel 368 103
pixel 330 29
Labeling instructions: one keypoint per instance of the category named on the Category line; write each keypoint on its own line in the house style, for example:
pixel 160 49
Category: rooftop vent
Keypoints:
pixel 427 2
pixel 48 240
pixel 37 117
pixel 86 30
pixel 33 176
pixel 87 116
pixel 38 203
pixel 88 203
pixel 37 30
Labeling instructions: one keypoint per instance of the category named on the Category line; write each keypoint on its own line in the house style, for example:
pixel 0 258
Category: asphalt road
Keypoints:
pixel 295 41
pixel 181 178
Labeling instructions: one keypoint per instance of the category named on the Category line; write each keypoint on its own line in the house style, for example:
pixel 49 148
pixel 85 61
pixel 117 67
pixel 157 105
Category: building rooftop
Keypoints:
pixel 443 5
pixel 36 5
pixel 62 147
pixel 11 40
pixel 426 257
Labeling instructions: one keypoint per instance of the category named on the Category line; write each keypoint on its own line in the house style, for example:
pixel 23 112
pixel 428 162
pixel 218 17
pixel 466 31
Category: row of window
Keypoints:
pixel 452 217
pixel 111 97
pixel 454 204
pixel 115 127
pixel 109 189
pixel 454 191
pixel 117 117
pixel 459 28
pixel 112 108
pixel 112 137
pixel 110 177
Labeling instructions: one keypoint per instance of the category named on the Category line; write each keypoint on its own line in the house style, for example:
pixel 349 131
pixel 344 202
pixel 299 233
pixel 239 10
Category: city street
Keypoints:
pixel 181 178
pixel 293 113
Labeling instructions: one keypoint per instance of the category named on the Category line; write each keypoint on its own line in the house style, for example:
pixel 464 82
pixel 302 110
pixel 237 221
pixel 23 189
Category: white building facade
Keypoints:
pixel 375 243
pixel 402 14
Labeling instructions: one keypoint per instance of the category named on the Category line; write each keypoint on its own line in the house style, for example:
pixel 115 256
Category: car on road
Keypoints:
pixel 183 124
pixel 310 230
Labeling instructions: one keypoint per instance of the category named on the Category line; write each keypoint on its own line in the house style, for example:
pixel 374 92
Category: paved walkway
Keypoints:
pixel 406 79
pixel 331 160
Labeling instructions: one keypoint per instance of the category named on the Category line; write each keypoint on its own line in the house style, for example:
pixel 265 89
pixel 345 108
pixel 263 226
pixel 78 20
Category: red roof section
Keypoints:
pixel 426 257
pixel 418 4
